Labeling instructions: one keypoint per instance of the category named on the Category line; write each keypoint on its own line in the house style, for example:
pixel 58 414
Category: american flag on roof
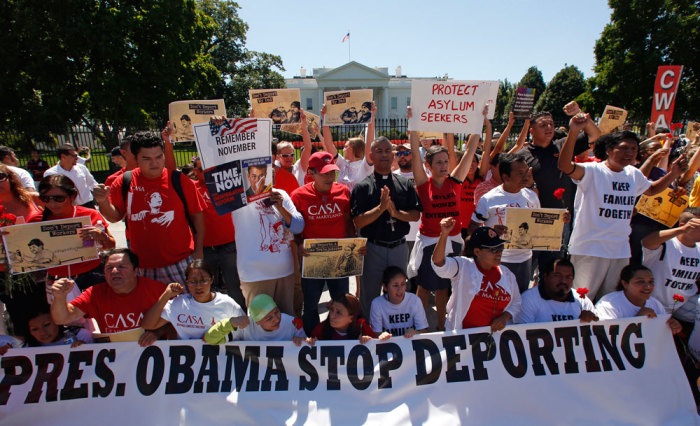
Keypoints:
pixel 347 36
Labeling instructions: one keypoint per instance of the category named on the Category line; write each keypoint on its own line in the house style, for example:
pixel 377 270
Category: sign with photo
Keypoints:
pixel 313 124
pixel 451 106
pixel 664 208
pixel 279 105
pixel 612 119
pixel 692 130
pixel 534 229
pixel 185 114
pixel 237 162
pixel 333 258
pixel 348 107
pixel 43 245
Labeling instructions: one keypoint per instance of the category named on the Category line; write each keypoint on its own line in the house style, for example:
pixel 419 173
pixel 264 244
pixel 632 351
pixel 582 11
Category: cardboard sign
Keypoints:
pixel 313 124
pixel 279 105
pixel 613 119
pixel 348 107
pixel 664 208
pixel 43 245
pixel 692 130
pixel 534 229
pixel 184 114
pixel 333 258
pixel 451 106
pixel 668 78
pixel 237 162
pixel 524 103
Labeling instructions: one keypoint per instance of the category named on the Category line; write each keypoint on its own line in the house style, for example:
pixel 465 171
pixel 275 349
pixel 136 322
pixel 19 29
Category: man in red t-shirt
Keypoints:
pixel 118 304
pixel 159 232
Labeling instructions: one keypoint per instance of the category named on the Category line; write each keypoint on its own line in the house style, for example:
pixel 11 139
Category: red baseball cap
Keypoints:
pixel 322 162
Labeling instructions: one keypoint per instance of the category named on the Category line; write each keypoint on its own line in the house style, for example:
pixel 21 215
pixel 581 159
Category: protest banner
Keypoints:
pixel 312 124
pixel 333 258
pixel 184 114
pixel 524 103
pixel 692 130
pixel 534 229
pixel 668 78
pixel 622 371
pixel 279 105
pixel 612 119
pixel 237 162
pixel 664 208
pixel 348 107
pixel 451 106
pixel 42 245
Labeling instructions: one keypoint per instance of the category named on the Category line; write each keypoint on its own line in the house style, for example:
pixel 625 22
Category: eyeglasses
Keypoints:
pixel 56 198
pixel 494 250
pixel 4 177
pixel 74 155
pixel 198 283
pixel 287 155
pixel 403 153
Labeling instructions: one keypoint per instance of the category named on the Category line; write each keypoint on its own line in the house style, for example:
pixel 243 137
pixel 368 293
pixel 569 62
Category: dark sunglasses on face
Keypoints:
pixel 4 177
pixel 494 250
pixel 287 155
pixel 56 198
pixel 403 153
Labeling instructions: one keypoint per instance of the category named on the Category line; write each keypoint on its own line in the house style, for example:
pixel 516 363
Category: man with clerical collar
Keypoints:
pixel 381 205
pixel 553 299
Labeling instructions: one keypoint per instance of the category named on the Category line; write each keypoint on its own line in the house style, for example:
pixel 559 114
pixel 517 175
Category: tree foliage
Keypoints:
pixel 565 86
pixel 642 35
pixel 505 92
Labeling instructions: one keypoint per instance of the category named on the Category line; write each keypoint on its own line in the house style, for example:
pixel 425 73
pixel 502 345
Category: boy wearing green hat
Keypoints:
pixel 268 323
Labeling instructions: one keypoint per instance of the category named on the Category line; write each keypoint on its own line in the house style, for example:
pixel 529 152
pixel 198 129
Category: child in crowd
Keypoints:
pixel 268 323
pixel 397 311
pixel 345 322
pixel 43 331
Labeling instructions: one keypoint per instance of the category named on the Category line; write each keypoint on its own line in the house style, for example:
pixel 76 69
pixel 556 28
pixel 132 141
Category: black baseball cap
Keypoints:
pixel 485 237
pixel 116 152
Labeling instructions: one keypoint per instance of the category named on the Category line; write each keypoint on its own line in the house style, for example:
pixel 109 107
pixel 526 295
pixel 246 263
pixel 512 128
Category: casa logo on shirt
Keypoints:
pixel 185 320
pixel 124 321
pixel 323 209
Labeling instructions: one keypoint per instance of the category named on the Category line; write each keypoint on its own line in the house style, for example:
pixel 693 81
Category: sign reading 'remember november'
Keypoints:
pixel 236 161
pixel 451 106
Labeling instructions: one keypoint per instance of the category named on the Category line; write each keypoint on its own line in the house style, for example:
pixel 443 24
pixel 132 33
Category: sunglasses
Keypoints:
pixel 56 198
pixel 4 177
pixel 287 155
pixel 494 250
pixel 403 153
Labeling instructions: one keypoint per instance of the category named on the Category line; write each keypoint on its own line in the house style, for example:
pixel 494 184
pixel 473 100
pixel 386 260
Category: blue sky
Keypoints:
pixel 468 40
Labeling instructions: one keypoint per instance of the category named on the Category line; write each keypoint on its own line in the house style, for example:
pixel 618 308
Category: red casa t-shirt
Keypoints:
pixel 438 203
pixel 285 181
pixel 158 228
pixel 489 302
pixel 326 215
pixel 119 312
pixel 466 202
pixel 75 268
pixel 219 229
pixel 111 178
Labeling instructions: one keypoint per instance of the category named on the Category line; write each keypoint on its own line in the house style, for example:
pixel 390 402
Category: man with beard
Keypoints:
pixel 553 300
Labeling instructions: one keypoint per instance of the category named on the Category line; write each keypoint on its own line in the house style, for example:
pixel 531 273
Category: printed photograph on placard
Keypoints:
pixel 664 208
pixel 280 105
pixel 313 124
pixel 612 119
pixel 42 245
pixel 534 229
pixel 348 107
pixel 257 177
pixel 692 130
pixel 333 258
pixel 185 114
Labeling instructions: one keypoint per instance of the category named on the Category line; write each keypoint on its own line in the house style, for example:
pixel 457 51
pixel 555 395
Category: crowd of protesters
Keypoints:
pixel 433 214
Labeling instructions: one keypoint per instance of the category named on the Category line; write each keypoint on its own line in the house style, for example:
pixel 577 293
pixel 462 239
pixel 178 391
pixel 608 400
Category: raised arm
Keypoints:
pixel 656 238
pixel 327 135
pixel 108 210
pixel 693 166
pixel 677 168
pixel 652 161
pixel 152 319
pixel 306 152
pixel 449 139
pixel 565 163
pixel 446 226
pixel 668 145
pixel 501 142
pixel 61 311
pixel 460 172
pixel 370 135
pixel 170 162
pixel 520 143
pixel 419 175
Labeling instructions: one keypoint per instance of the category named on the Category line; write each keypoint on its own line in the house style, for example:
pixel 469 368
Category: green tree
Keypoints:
pixel 532 79
pixel 641 36
pixel 565 86
pixel 505 92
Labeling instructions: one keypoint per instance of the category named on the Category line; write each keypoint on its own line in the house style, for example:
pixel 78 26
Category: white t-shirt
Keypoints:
pixel 675 274
pixel 395 319
pixel 24 176
pixel 81 177
pixel 192 319
pixel 263 238
pixel 351 173
pixel 289 327
pixel 603 210
pixel 299 173
pixel 413 231
pixel 491 210
pixel 536 308
pixel 616 305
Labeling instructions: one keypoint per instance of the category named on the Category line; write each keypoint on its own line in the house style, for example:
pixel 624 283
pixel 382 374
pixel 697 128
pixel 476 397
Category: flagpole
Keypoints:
pixel 348 47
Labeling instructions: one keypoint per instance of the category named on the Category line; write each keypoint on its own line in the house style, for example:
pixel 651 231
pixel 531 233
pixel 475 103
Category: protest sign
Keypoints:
pixel 312 124
pixel 664 208
pixel 42 245
pixel 333 258
pixel 237 162
pixel 692 130
pixel 279 105
pixel 623 371
pixel 612 119
pixel 451 106
pixel 184 114
pixel 534 229
pixel 668 79
pixel 430 135
pixel 348 107
pixel 524 102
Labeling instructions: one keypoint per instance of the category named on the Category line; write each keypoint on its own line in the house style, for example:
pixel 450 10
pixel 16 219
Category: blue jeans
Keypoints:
pixel 313 288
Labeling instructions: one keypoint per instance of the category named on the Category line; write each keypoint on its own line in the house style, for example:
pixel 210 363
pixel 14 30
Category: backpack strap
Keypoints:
pixel 177 186
pixel 126 185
